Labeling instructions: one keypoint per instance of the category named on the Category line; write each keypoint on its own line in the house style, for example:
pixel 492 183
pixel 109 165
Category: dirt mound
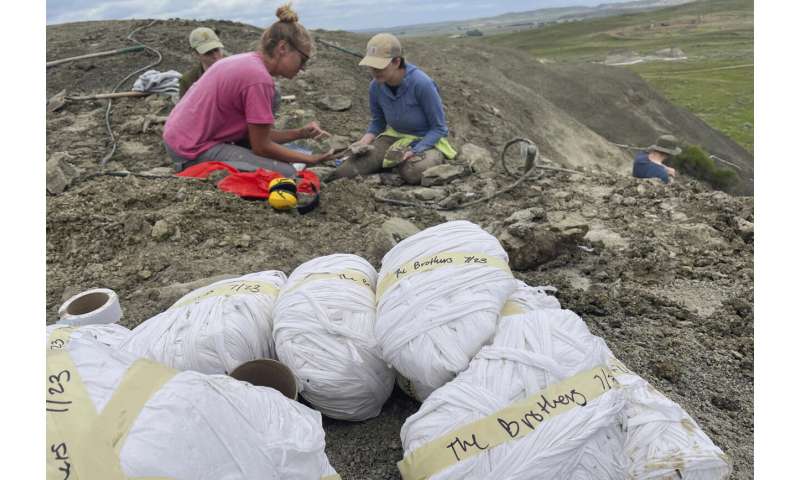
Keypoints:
pixel 663 273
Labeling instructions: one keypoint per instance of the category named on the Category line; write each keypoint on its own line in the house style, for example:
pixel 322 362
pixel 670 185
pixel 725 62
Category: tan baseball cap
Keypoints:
pixel 381 49
pixel 203 40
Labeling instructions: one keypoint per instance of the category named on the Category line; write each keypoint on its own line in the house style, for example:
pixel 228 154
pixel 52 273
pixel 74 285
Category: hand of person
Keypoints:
pixel 670 171
pixel 312 130
pixel 365 140
pixel 322 157
pixel 409 155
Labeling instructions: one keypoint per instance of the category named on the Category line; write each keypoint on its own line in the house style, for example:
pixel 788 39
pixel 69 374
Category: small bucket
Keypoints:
pixel 268 373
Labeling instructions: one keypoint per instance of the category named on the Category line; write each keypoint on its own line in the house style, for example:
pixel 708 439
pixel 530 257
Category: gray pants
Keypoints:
pixel 372 162
pixel 240 158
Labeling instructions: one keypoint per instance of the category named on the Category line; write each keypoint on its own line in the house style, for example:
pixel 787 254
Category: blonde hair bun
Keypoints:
pixel 286 14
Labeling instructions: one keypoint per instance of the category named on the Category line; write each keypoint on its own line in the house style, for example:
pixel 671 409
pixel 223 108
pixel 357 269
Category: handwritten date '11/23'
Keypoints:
pixel 57 385
pixel 532 418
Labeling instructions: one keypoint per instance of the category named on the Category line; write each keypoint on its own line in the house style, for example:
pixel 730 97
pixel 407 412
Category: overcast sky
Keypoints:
pixel 328 14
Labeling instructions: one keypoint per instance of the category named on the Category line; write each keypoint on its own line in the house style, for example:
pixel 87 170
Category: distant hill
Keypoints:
pixel 699 28
pixel 714 81
pixel 519 21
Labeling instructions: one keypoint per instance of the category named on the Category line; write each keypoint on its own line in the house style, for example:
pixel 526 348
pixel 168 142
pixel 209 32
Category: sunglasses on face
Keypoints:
pixel 303 57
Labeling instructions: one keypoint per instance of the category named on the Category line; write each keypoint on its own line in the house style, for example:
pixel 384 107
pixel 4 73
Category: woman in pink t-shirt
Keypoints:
pixel 232 103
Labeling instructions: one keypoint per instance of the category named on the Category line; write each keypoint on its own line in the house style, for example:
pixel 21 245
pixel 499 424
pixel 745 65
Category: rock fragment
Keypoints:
pixel 161 230
pixel 391 232
pixel 336 103
pixel 441 174
pixel 59 173
pixel 478 159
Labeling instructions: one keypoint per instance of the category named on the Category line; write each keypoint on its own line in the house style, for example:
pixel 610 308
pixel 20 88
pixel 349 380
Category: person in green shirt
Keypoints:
pixel 207 49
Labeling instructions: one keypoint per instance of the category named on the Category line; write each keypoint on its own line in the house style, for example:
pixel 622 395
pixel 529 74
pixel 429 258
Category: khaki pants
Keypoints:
pixel 410 170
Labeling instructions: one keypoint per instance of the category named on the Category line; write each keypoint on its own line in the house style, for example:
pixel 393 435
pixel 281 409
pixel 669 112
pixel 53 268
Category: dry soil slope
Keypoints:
pixel 620 106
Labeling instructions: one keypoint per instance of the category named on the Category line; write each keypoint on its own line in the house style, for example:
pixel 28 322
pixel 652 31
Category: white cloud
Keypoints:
pixel 328 14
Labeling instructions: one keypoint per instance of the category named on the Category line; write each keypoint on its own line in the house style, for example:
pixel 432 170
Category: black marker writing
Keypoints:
pixel 61 454
pixel 474 259
pixel 509 426
pixel 463 445
pixel 548 404
pixel 435 260
pixel 56 380
pixel 605 378
pixel 362 281
pixel 399 272
pixel 531 415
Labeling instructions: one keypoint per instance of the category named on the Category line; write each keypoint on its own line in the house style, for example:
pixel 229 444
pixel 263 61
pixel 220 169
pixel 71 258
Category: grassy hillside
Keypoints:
pixel 716 82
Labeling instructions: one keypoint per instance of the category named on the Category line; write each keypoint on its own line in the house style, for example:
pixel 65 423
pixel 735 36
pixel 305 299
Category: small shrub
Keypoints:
pixel 695 162
pixel 474 33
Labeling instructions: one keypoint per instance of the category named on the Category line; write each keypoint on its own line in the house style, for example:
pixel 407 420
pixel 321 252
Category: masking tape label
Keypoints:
pixel 71 451
pixel 512 308
pixel 59 338
pixel 513 422
pixel 618 368
pixel 353 276
pixel 433 262
pixel 80 443
pixel 239 287
pixel 142 379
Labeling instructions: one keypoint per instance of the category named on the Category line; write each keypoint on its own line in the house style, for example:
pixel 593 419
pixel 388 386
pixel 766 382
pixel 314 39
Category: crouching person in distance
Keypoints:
pixel 408 126
pixel 206 49
pixel 649 164
pixel 232 102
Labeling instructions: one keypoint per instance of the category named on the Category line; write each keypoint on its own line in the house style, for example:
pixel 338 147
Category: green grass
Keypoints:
pixel 721 93
pixel 716 83
pixel 694 161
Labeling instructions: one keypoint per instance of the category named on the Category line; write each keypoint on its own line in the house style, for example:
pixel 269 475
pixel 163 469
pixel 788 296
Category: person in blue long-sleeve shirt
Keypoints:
pixel 649 164
pixel 408 127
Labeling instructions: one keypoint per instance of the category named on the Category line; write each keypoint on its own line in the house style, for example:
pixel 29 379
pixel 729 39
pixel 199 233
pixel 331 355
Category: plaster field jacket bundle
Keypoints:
pixel 440 293
pixel 113 416
pixel 539 402
pixel 663 441
pixel 528 299
pixel 213 329
pixel 324 332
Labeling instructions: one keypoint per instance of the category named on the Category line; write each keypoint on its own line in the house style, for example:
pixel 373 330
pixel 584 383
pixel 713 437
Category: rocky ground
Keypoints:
pixel 663 273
